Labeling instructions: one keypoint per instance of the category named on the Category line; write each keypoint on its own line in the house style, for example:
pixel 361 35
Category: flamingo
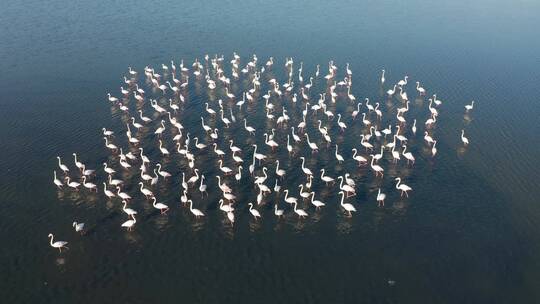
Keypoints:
pixel 258 156
pixel 109 145
pixel 122 195
pixel 301 213
pixel 378 169
pixel 78 164
pixel 57 182
pixel 408 155
pixel 71 184
pixel 316 203
pixel 225 208
pixel 306 171
pixel 128 211
pixel 160 206
pixel 346 188
pixel 198 213
pixel 57 244
pixel 62 166
pixel 395 154
pixel 163 150
pixel 289 200
pixel 380 198
pixel 403 81
pixel 420 90
pixel 312 145
pixel 254 212
pixel 250 129
pixel 278 212
pixel 89 186
pixel 164 174
pixel 194 178
pixel 360 159
pixel 469 106
pixel 402 187
pixel 391 92
pixel 355 112
pixel 325 178
pixel 347 206
pixel 339 158
pixel 130 223
pixel 464 139
pixel 428 138
pixel 145 191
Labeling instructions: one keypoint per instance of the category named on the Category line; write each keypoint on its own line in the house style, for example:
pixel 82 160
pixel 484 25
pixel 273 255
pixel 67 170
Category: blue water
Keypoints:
pixel 468 233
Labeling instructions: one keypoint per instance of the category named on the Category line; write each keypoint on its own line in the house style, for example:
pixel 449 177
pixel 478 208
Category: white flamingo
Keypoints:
pixel 57 244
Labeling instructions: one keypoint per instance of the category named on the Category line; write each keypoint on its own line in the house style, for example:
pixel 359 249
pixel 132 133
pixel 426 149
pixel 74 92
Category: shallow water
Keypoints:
pixel 468 232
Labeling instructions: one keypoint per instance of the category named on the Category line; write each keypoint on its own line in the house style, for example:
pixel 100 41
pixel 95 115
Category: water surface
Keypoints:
pixel 467 234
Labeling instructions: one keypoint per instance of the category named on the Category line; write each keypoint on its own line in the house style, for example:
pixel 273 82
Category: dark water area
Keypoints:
pixel 468 233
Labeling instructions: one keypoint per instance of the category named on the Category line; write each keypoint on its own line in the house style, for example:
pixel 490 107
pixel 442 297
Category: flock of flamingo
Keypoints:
pixel 289 121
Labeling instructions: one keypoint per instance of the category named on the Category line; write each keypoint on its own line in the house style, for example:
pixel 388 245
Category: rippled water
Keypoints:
pixel 468 233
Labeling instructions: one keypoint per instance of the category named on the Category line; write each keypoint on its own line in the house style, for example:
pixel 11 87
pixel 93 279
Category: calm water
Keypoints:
pixel 468 233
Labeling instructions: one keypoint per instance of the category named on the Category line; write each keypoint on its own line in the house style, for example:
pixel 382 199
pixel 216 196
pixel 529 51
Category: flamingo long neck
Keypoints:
pixel 355 152
pixel 342 197
pixel 397 185
pixel 52 236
